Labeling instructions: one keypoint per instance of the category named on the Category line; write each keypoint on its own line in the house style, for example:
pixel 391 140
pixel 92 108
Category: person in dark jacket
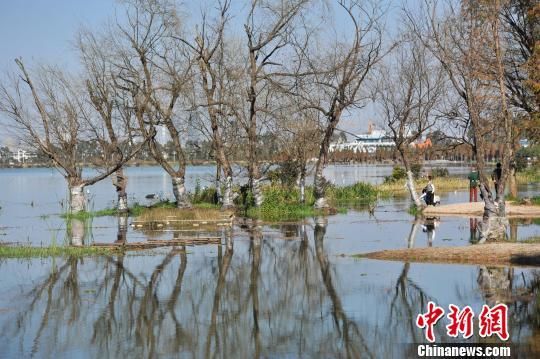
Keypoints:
pixel 496 177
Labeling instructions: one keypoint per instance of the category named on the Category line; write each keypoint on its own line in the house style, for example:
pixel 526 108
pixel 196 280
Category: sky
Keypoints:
pixel 42 31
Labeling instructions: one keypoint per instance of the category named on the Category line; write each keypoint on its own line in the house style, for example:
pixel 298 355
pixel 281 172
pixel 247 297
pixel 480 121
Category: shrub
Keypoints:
pixel 398 173
pixel 281 203
pixel 205 195
pixel 358 191
pixel 416 168
pixel 286 173
pixel 440 172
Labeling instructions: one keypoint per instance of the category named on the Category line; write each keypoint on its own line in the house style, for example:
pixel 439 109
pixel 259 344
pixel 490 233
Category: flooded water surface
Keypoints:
pixel 283 290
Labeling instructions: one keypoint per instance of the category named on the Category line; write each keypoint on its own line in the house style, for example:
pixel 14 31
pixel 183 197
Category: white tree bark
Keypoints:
pixel 228 194
pixel 412 189
pixel 77 199
pixel 493 225
pixel 77 232
pixel 180 194
pixel 257 192
pixel 122 228
pixel 122 203
pixel 320 201
pixel 229 243
pixel 302 185
pixel 412 233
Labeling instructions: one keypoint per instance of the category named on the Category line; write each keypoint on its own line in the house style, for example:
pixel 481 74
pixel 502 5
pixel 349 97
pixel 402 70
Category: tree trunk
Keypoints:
pixel 410 179
pixel 255 236
pixel 257 192
pixel 77 198
pixel 121 235
pixel 513 182
pixel 229 239
pixel 412 233
pixel 493 226
pixel 412 189
pixel 319 185
pixel 302 184
pixel 228 194
pixel 219 195
pixel 76 232
pixel 120 183
pixel 180 194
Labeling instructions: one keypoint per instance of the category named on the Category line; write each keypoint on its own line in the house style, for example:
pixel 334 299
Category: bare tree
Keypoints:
pixel 466 39
pixel 110 118
pixel 48 109
pixel 209 49
pixel 520 30
pixel 299 133
pixel 331 83
pixel 268 29
pixel 409 89
pixel 155 71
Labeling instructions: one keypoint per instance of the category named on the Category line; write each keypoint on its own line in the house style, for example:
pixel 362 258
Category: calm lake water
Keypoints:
pixel 285 290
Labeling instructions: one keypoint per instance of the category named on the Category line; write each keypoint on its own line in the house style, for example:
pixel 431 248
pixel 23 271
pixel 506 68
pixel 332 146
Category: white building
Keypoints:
pixel 367 143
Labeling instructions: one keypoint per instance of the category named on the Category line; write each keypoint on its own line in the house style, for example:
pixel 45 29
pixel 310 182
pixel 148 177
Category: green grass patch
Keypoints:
pixel 531 240
pixel 530 175
pixel 53 251
pixel 138 209
pixel 413 210
pixel 282 203
pixel 161 214
pixel 283 212
pixel 535 201
pixel 84 215
pixel 442 184
pixel 358 192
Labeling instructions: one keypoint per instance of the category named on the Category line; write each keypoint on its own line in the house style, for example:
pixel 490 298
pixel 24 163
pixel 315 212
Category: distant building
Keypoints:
pixel 366 142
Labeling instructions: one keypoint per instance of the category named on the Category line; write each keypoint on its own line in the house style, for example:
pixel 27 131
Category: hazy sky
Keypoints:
pixel 43 30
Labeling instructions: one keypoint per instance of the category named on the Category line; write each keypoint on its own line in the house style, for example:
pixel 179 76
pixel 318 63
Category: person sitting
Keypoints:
pixel 430 192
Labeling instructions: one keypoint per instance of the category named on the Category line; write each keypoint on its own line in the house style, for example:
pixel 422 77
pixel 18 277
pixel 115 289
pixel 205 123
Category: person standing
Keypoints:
pixel 496 177
pixel 474 178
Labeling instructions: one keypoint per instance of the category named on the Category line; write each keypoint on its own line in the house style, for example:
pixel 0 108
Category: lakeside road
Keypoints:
pixel 477 209
pixel 493 254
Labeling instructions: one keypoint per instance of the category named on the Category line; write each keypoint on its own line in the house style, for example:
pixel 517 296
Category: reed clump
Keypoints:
pixel 27 251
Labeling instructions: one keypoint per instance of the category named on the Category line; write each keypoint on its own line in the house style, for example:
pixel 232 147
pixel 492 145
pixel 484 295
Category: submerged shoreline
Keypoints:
pixel 492 254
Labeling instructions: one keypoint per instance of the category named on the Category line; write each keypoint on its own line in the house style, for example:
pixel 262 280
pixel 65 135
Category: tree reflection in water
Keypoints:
pixel 353 341
pixel 260 297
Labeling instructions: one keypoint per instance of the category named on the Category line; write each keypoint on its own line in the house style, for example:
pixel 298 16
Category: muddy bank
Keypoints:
pixel 477 209
pixel 484 254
